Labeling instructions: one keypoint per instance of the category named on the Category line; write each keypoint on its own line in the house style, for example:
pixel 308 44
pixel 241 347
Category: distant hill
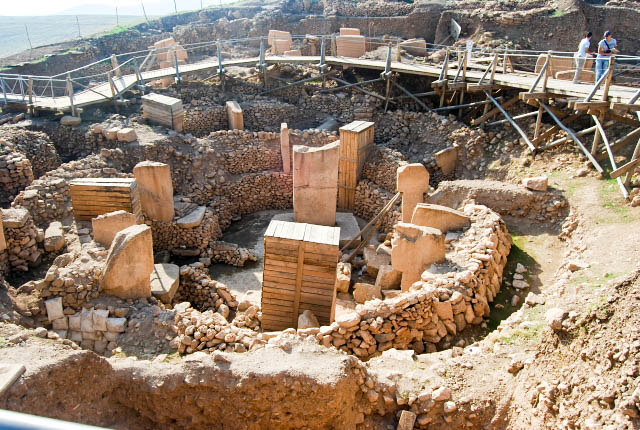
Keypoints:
pixel 152 7
pixel 45 30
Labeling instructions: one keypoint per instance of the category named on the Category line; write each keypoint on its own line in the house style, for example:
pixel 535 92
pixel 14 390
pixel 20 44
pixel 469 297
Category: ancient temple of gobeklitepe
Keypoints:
pixel 322 214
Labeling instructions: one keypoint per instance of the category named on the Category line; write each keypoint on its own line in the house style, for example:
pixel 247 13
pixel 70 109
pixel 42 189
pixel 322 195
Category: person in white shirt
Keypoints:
pixel 581 56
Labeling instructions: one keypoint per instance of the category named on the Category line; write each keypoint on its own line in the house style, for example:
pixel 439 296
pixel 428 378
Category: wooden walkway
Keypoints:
pixel 516 80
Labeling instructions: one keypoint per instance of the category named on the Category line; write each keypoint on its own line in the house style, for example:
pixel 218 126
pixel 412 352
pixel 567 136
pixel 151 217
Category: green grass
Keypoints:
pixel 618 210
pixel 558 13
pixel 524 335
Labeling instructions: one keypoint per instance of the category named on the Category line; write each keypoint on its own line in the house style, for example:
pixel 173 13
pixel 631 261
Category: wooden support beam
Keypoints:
pixel 536 133
pixel 511 121
pixel 607 83
pixel 493 112
pixel 493 69
pixel 612 160
pixel 622 119
pixel 535 95
pixel 476 88
pixel 547 72
pixel 620 143
pixel 456 85
pixel 440 83
pixel 554 130
pixel 624 107
pixel 636 151
pixel 574 137
pixel 584 106
pixel 631 165
pixel 596 137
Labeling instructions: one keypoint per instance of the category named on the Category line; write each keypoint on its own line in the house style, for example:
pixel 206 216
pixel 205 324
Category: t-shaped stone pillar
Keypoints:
pixel 155 190
pixel 412 182
pixel 315 183
pixel 414 249
pixel 285 148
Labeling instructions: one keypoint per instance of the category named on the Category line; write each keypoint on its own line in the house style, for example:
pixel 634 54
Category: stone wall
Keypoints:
pixel 15 174
pixel 369 201
pixel 171 236
pixel 23 239
pixel 36 146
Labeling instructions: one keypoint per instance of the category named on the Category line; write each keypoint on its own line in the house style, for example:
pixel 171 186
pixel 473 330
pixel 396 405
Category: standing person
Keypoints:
pixel 581 56
pixel 606 48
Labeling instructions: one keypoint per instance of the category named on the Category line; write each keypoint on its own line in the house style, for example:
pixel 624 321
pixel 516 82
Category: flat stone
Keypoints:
pixel 374 260
pixel 388 278
pixel 447 160
pixel 439 217
pixel 14 217
pixel 193 219
pixel 105 227
pixel 9 373
pixel 127 271
pixel 441 394
pixel 343 277
pixel 520 284
pixel 348 319
pixel 155 190
pixel 307 320
pixel 165 280
pixel 127 135
pixel 363 292
pixel 69 120
pixel 554 318
pixel 54 237
pixel 536 183
pixel 54 308
pixel 407 420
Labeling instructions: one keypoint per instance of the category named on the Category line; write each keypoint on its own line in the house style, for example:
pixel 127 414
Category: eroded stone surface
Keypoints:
pixel 165 280
pixel 155 189
pixel 105 227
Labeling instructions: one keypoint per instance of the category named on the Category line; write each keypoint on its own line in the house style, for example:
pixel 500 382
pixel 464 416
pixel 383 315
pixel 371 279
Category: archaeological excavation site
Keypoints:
pixel 326 214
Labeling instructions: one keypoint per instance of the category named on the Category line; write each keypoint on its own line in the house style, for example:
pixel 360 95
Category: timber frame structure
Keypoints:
pixel 488 78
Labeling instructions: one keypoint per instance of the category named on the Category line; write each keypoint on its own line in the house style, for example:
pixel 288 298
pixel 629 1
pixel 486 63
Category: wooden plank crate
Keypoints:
pixel 163 110
pixel 356 140
pixel 91 197
pixel 300 262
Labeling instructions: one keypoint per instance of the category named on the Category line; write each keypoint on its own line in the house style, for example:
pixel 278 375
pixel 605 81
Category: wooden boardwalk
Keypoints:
pixel 516 80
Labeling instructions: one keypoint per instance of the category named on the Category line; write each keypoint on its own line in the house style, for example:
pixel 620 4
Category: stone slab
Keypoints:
pixel 54 237
pixel 165 280
pixel 315 183
pixel 105 227
pixel 439 217
pixel 193 218
pixel 14 217
pixel 447 160
pixel 9 373
pixel 155 190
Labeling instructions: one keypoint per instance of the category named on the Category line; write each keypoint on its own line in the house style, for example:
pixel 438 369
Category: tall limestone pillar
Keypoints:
pixel 155 189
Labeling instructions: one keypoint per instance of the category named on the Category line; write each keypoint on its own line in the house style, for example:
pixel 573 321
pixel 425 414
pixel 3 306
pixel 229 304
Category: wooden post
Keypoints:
pixel 464 67
pixel 538 123
pixel 504 62
pixel 114 65
pixel 596 135
pixel 547 72
pixel 493 70
pixel 334 46
pixel 70 91
pixel 607 83
pixel 398 56
pixel 111 85
pixel 636 154
pixel 175 57
pixel 30 90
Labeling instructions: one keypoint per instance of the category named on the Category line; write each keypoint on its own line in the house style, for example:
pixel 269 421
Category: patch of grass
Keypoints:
pixel 3 342
pixel 558 13
pixel 524 335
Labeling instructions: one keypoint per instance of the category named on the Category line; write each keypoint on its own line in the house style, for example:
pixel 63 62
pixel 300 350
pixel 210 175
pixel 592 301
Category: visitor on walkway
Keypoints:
pixel 581 56
pixel 606 48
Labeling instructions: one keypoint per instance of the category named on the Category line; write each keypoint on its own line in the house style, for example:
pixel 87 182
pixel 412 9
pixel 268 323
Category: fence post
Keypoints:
pixel 70 91
pixel 4 91
pixel 30 91
pixel 114 65
pixel 547 72
pixel 175 57
pixel 607 83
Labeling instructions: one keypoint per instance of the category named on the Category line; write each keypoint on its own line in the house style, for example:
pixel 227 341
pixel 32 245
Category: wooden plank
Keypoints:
pixel 296 303
pixel 535 95
pixel 281 269
pixel 623 141
pixel 493 112
pixel 625 168
pixel 622 119
pixel 583 106
pixel 474 88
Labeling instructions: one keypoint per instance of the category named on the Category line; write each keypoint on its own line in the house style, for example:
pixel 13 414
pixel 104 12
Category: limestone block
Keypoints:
pixel 3 242
pixel 444 310
pixel 234 113
pixel 412 181
pixel 439 217
pixel 536 183
pixel 407 420
pixel 60 324
pixel 343 277
pixel 54 237
pixel 388 278
pixel 165 279
pixel 315 183
pixel 111 133
pixel 292 53
pixel 105 227
pixel 116 325
pixel 14 217
pixel 352 46
pixel 374 260
pixel 363 292
pixel 193 218
pixel 75 336
pixel 155 190
pixel 54 308
pixel 127 135
pixel 75 322
pixel 349 31
pixel 71 121
pixel 414 249
pixel 129 264
pixel 307 320
pixel 447 160
pixel 110 336
pixel 285 148
pixel 86 321
pixel 100 319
